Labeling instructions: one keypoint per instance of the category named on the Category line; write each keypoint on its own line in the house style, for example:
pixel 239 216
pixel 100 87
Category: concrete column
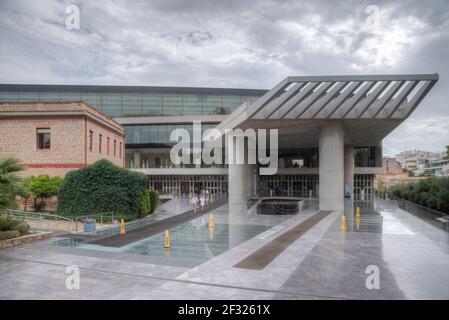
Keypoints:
pixel 379 155
pixel 331 171
pixel 237 180
pixel 349 170
pixel 137 159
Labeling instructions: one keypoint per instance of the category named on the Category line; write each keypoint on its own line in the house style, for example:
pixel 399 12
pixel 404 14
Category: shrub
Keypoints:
pixel 144 203
pixel 8 223
pixel 432 192
pixel 101 187
pixel 154 200
pixel 9 234
pixel 23 228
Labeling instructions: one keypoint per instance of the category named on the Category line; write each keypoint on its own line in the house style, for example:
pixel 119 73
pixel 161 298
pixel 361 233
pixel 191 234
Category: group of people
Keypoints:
pixel 199 202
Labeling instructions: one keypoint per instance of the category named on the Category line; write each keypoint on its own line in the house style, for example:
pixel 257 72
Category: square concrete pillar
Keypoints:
pixel 237 175
pixel 331 171
pixel 349 171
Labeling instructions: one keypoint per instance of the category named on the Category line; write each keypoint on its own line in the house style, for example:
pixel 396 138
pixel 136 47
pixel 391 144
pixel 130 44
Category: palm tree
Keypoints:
pixel 9 182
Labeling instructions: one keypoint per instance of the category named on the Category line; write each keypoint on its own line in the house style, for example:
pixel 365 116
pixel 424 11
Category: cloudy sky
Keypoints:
pixel 233 43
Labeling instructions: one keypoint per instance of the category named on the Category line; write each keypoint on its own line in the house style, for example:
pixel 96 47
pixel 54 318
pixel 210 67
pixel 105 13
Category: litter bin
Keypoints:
pixel 90 225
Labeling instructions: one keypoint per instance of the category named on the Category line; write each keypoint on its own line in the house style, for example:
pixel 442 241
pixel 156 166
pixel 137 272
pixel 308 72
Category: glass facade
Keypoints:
pixel 148 146
pixel 298 158
pixel 158 134
pixel 136 101
pixel 365 156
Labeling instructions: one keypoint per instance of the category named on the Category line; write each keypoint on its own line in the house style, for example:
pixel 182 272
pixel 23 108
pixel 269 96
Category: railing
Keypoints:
pixel 433 217
pixel 44 221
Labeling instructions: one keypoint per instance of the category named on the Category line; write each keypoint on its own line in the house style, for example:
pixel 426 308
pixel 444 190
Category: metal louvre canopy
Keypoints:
pixel 383 97
pixel 344 97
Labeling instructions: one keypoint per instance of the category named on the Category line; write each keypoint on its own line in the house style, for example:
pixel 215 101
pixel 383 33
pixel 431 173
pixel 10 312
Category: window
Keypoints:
pixel 43 138
pixel 91 136
pixel 115 145
pixel 120 150
pixel 108 142
pixel 100 138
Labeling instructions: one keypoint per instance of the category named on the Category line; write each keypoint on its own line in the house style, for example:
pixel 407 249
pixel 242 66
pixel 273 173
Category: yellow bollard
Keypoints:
pixel 357 214
pixel 122 227
pixel 211 221
pixel 343 223
pixel 167 239
pixel 357 221
pixel 211 233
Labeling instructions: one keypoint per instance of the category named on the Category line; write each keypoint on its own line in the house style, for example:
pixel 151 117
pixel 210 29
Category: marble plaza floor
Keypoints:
pixel 325 262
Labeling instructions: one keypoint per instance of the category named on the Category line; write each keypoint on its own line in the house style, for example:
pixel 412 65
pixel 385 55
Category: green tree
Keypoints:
pixel 25 194
pixel 9 182
pixel 42 187
pixel 447 153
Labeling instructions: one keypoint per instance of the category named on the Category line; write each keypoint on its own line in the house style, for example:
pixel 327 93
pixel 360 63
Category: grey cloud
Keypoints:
pixel 229 43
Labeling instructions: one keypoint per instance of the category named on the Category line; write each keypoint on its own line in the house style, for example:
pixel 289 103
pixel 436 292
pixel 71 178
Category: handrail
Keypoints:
pixel 31 214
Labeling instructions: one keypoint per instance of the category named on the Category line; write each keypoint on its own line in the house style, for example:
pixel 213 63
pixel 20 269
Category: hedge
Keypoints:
pixel 432 192
pixel 145 203
pixel 101 187
pixel 154 200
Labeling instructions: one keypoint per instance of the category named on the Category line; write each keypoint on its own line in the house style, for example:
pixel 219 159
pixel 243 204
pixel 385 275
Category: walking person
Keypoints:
pixel 194 202
pixel 202 202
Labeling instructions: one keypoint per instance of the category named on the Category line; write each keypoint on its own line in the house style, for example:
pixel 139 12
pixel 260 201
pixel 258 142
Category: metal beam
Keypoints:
pixel 394 104
pixel 309 101
pixel 380 103
pixel 369 99
pixel 322 103
pixel 267 97
pixel 349 104
pixel 337 78
pixel 290 104
pixel 276 103
pixel 338 101
pixel 417 98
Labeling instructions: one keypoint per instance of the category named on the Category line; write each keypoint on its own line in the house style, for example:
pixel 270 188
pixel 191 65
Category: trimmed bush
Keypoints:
pixel 144 203
pixel 101 187
pixel 9 234
pixel 154 200
pixel 23 228
pixel 8 223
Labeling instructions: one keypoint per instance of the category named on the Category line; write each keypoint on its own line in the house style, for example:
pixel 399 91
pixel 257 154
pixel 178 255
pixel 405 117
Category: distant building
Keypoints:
pixel 392 174
pixel 391 165
pixel 439 168
pixel 56 137
pixel 417 160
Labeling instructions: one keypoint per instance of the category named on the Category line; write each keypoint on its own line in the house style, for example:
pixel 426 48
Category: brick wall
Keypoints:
pixel 18 138
pixel 69 136
pixel 95 154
